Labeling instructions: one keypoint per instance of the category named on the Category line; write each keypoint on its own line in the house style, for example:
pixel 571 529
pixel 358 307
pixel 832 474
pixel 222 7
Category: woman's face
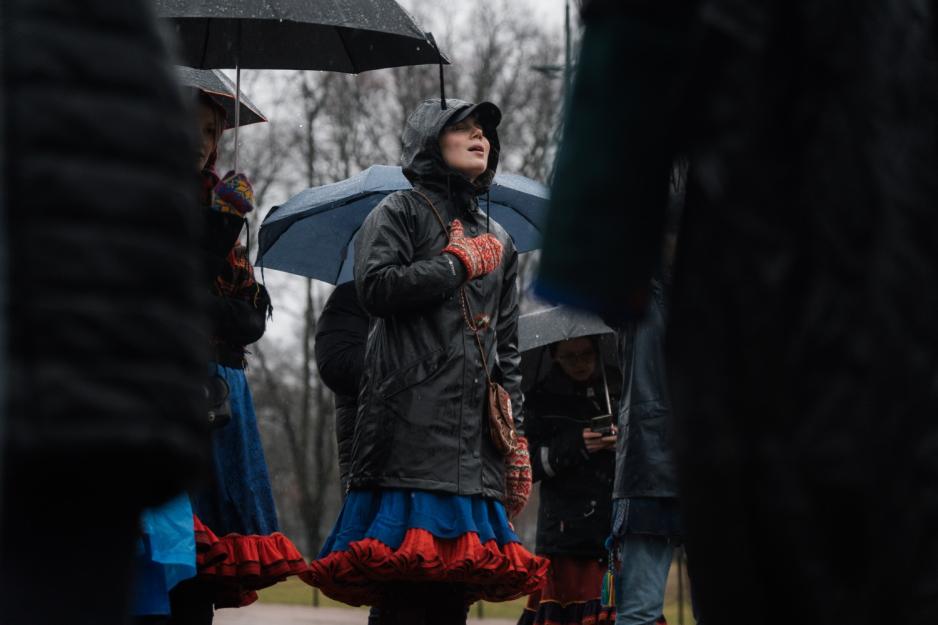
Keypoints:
pixel 465 148
pixel 208 133
pixel 577 358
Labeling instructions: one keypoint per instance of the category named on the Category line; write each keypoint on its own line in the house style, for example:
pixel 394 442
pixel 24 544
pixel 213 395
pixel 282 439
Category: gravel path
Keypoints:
pixel 273 614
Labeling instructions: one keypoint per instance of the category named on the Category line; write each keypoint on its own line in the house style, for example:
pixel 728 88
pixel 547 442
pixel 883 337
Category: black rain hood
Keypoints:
pixel 421 157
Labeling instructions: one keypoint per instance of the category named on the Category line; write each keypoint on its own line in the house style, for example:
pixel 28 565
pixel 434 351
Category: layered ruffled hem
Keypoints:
pixel 590 612
pixel 387 536
pixel 357 576
pixel 571 596
pixel 237 566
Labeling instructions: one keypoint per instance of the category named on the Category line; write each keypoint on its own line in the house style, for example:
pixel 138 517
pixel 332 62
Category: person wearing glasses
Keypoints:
pixel 573 458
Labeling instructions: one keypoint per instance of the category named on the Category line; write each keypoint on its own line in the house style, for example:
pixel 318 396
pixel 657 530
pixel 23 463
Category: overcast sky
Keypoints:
pixel 550 12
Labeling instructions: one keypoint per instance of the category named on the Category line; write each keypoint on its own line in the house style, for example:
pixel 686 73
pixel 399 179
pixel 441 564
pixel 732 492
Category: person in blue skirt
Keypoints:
pixel 424 530
pixel 236 531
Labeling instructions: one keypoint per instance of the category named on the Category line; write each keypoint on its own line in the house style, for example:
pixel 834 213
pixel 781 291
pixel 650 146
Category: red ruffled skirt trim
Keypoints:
pixel 357 576
pixel 239 565
pixel 571 596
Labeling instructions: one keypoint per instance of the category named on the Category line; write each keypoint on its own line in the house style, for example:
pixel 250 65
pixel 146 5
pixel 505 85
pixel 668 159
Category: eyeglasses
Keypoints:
pixel 583 357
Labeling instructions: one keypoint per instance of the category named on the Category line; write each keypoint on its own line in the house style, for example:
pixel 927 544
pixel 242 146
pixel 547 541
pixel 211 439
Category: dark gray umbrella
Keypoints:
pixel 559 323
pixel 222 90
pixel 537 330
pixel 349 36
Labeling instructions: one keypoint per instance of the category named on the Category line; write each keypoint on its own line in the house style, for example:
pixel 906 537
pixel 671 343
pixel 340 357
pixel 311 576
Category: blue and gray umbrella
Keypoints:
pixel 313 233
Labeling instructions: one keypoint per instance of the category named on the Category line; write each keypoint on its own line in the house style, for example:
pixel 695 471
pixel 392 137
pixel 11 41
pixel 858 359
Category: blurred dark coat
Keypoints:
pixel 421 415
pixel 575 495
pixel 803 345
pixel 107 348
pixel 341 333
pixel 104 341
pixel 645 446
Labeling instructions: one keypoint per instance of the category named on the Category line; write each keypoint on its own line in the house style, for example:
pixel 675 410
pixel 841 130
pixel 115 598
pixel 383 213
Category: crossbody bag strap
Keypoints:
pixel 463 299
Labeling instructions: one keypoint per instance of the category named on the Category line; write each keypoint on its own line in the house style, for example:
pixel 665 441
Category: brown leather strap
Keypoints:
pixel 463 299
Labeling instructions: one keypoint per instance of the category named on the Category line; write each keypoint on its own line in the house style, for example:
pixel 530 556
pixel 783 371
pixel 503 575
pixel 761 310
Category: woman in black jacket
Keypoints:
pixel 575 466
pixel 424 530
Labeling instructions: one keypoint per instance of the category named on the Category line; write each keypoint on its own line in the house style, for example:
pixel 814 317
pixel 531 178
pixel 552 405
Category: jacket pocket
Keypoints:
pixel 412 374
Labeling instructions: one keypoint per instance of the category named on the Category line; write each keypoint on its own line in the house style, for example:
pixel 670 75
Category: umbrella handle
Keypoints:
pixel 442 82
pixel 237 119
pixel 602 368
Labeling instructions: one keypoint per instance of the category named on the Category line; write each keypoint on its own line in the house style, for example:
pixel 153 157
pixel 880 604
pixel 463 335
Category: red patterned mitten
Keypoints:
pixel 480 255
pixel 517 478
pixel 234 194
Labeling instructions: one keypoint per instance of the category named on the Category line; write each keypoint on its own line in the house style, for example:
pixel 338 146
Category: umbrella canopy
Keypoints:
pixel 537 330
pixel 222 90
pixel 332 35
pixel 312 234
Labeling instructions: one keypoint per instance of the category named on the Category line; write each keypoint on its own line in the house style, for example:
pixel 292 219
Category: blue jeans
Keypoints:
pixel 643 573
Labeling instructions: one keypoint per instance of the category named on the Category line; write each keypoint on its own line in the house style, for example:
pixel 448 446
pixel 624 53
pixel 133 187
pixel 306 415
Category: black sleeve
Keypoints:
pixel 388 275
pixel 340 341
pixel 241 320
pixel 553 450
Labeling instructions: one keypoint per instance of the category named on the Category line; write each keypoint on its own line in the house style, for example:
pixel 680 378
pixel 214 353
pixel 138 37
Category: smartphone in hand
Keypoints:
pixel 602 424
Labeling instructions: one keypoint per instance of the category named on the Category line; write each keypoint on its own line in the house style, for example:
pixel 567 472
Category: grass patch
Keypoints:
pixel 295 592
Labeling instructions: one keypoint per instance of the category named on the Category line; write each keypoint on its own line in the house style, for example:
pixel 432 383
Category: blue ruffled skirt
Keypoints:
pixel 239 498
pixel 398 535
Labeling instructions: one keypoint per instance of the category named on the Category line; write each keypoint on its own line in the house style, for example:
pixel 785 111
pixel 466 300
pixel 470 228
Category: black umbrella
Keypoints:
pixel 222 90
pixel 348 36
pixel 537 330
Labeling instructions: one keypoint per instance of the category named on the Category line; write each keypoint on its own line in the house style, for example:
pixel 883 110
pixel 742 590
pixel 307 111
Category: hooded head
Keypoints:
pixel 421 156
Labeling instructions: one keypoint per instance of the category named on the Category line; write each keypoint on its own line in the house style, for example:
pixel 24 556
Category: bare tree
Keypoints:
pixel 301 409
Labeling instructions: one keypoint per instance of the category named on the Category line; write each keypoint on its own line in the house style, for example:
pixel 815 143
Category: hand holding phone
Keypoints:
pixel 596 441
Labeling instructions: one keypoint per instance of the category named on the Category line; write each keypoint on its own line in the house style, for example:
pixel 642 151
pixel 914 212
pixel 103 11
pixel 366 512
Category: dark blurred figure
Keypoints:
pixel 105 411
pixel 646 520
pixel 803 341
pixel 575 466
pixel 341 334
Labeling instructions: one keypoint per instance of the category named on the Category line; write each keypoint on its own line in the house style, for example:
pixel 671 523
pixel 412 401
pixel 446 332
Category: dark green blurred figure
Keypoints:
pixel 103 409
pixel 803 341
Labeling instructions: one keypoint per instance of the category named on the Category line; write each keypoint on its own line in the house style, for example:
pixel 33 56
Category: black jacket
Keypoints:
pixel 576 486
pixel 238 309
pixel 644 463
pixel 421 415
pixel 340 355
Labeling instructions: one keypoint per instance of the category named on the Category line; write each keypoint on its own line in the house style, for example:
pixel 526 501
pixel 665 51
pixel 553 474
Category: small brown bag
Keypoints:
pixel 501 421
